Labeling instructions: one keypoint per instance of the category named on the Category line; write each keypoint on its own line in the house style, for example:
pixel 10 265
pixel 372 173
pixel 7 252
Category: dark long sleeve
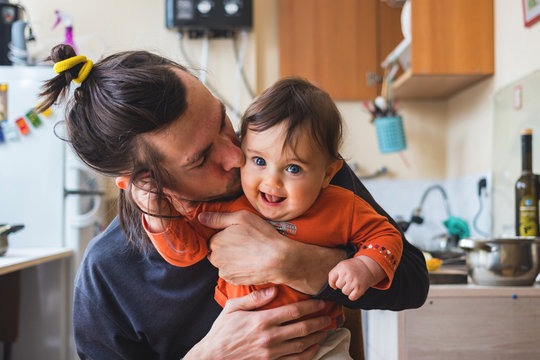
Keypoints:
pixel 128 305
pixel 410 286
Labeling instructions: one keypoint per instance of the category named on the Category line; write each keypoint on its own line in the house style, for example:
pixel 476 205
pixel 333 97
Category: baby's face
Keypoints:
pixel 280 183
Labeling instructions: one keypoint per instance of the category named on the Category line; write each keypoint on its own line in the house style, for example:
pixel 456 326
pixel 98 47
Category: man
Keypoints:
pixel 138 112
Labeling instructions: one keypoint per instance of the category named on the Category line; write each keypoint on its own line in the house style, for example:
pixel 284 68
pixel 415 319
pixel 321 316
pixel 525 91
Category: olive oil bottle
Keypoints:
pixel 526 191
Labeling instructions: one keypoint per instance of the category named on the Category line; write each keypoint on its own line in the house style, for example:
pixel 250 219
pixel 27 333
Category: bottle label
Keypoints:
pixel 527 217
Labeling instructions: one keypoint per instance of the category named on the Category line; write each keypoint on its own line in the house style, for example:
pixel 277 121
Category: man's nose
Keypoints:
pixel 232 156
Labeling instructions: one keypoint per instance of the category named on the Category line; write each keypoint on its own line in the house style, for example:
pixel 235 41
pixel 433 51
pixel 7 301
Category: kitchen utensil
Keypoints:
pixel 390 134
pixel 511 261
pixel 4 231
pixel 444 246
pixel 9 13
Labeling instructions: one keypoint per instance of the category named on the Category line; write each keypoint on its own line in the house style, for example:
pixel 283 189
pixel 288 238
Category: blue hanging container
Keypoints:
pixel 390 134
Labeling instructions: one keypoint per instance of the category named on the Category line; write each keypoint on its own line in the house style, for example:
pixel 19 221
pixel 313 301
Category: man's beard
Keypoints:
pixel 234 190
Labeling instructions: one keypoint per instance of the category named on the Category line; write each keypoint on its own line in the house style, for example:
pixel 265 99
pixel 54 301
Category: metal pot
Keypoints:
pixel 4 231
pixel 513 261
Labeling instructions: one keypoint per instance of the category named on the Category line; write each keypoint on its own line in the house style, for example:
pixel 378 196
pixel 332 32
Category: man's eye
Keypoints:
pixel 294 169
pixel 203 161
pixel 259 161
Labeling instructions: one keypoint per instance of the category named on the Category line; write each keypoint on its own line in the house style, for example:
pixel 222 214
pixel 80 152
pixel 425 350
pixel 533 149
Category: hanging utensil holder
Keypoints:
pixel 390 134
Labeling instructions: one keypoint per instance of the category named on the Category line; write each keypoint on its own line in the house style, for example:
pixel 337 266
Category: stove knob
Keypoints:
pixel 231 7
pixel 204 6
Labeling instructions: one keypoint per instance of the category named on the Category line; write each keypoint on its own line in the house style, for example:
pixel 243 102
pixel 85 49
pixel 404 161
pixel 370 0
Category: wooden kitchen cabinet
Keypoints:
pixel 451 47
pixel 459 322
pixel 337 43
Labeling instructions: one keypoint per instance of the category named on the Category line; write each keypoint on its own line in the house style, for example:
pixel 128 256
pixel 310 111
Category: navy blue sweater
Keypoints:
pixel 133 306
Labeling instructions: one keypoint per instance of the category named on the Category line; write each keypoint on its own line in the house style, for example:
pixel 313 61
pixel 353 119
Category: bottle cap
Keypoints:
pixel 526 132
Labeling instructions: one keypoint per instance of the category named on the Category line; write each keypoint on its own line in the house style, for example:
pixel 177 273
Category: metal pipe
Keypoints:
pixel 418 210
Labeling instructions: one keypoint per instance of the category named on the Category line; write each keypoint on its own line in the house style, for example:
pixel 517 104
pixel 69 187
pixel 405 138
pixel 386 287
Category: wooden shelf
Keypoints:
pixel 432 86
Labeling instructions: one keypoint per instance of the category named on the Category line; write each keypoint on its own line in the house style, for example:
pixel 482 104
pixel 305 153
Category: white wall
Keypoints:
pixel 470 113
pixel 102 27
pixel 425 125
pixel 472 141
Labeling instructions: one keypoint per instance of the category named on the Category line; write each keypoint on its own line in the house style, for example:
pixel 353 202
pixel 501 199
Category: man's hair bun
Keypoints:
pixel 57 87
pixel 62 52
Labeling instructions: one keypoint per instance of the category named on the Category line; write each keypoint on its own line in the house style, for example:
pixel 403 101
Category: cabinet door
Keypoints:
pixel 473 328
pixel 452 47
pixel 452 37
pixel 332 43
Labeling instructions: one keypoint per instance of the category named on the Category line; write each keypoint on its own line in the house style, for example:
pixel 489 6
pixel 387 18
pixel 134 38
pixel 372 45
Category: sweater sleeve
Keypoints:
pixel 376 238
pixel 185 241
pixel 410 285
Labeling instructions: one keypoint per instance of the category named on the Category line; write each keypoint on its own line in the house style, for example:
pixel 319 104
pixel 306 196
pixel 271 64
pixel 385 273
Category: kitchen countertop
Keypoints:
pixel 452 281
pixel 449 274
pixel 21 258
pixel 472 290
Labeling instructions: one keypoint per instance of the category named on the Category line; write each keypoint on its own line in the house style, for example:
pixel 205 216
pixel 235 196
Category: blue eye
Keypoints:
pixel 259 161
pixel 294 169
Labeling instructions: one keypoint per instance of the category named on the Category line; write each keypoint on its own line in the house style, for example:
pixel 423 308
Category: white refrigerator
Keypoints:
pixel 60 202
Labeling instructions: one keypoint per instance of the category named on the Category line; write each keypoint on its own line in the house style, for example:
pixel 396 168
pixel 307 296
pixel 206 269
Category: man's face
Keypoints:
pixel 200 149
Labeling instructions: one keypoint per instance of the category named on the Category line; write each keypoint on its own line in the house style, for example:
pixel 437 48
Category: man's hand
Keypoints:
pixel 239 333
pixel 249 251
pixel 354 276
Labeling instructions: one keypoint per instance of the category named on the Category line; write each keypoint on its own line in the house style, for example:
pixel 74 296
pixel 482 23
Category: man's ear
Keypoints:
pixel 331 170
pixel 122 182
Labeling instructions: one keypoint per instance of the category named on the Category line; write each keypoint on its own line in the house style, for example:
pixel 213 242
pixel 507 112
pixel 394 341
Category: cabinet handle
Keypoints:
pixel 373 79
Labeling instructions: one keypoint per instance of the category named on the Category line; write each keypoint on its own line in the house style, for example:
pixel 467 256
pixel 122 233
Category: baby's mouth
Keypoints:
pixel 272 198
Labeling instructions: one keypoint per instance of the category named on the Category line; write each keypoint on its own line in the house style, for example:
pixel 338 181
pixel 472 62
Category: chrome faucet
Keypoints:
pixel 417 216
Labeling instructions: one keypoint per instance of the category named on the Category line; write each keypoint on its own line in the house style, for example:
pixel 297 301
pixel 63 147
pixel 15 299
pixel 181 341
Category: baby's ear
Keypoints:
pixel 331 170
pixel 122 182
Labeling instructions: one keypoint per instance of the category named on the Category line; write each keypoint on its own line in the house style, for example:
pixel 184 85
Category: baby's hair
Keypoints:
pixel 304 106
pixel 125 95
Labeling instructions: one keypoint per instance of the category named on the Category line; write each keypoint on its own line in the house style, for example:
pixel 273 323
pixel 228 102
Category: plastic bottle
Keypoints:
pixel 62 17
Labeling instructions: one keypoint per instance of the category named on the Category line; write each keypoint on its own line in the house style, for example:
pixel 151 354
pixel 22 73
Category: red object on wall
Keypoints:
pixel 531 12
pixel 23 126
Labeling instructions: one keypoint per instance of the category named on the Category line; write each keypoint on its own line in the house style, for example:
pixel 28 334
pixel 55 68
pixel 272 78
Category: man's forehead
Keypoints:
pixel 200 101
pixel 194 87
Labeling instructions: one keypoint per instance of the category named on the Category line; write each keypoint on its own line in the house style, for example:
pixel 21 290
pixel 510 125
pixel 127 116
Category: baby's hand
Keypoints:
pixel 354 276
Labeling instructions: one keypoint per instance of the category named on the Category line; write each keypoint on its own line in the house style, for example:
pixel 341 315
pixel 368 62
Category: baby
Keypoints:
pixel 290 136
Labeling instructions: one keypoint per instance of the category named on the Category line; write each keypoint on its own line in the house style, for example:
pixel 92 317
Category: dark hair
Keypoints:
pixel 304 107
pixel 125 95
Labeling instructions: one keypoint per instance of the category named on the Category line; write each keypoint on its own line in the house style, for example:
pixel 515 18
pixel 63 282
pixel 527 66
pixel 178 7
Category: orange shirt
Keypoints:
pixel 335 219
